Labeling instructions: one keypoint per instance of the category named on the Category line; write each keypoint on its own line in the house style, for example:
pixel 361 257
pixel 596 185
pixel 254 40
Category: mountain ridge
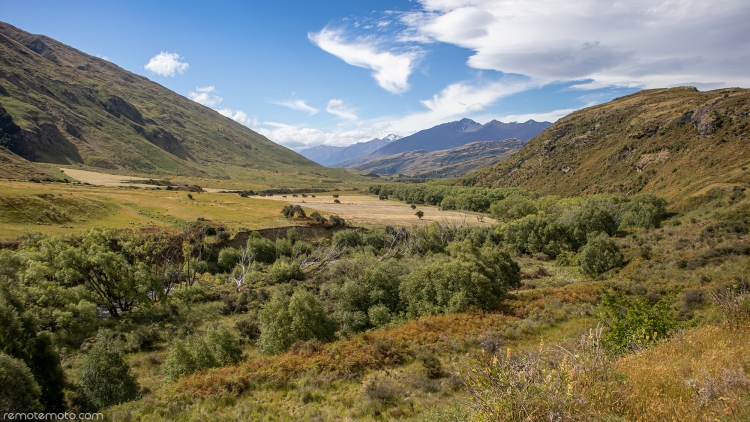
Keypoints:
pixel 330 156
pixel 452 162
pixel 75 109
pixel 675 142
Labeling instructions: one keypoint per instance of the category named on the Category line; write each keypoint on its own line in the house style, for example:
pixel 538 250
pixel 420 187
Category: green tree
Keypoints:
pixel 588 220
pixel 105 377
pixel 263 250
pixel 19 392
pixel 228 259
pixel 347 237
pixel 419 214
pixel 634 324
pixel 512 208
pixel 536 233
pixel 287 320
pixel 471 277
pixel 600 255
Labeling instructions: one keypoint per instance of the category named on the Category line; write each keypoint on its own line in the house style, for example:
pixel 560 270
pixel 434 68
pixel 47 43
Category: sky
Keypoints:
pixel 305 73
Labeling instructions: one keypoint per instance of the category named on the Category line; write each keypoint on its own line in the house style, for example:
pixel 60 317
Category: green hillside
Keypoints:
pixel 452 162
pixel 672 142
pixel 62 106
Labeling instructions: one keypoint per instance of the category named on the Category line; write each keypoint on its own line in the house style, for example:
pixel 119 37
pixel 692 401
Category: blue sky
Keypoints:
pixel 306 73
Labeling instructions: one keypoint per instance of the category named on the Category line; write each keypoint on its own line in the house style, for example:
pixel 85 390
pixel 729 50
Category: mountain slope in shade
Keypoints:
pixel 73 108
pixel 672 142
pixel 328 155
pixel 452 162
pixel 454 134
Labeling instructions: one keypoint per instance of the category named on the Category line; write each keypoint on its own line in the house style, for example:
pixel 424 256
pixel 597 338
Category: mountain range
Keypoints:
pixel 60 105
pixel 452 162
pixel 454 134
pixel 330 156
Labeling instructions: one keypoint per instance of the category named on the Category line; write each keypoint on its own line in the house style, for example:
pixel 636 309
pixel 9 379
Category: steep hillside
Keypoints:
pixel 329 155
pixel 452 162
pixel 454 134
pixel 67 107
pixel 672 142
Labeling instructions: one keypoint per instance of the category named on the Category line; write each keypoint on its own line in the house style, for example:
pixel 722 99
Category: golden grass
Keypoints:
pixel 697 375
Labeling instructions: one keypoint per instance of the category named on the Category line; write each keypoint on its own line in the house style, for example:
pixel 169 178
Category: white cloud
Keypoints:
pixel 643 43
pixel 202 95
pixel 297 105
pixel 239 116
pixel 338 108
pixel 166 64
pixel 297 138
pixel 390 69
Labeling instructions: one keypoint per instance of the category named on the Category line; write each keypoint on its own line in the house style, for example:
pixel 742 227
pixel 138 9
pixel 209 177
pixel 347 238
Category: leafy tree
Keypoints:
pixel 19 392
pixel 413 206
pixel 512 208
pixel 284 272
pixel 600 255
pixel 197 352
pixel 419 214
pixel 471 277
pixel 262 249
pixel 645 211
pixel 287 320
pixel 105 377
pixel 350 238
pixel 536 233
pixel 588 220
pixel 228 259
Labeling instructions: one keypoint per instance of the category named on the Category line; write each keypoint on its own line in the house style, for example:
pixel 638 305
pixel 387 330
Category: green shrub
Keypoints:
pixel 645 211
pixel 284 247
pixel 217 348
pixel 588 220
pixel 285 321
pixel 471 277
pixel 344 238
pixel 600 255
pixel 536 233
pixel 263 250
pixel 635 324
pixel 105 377
pixel 228 258
pixel 512 208
pixel 284 272
pixel 19 392
pixel 374 239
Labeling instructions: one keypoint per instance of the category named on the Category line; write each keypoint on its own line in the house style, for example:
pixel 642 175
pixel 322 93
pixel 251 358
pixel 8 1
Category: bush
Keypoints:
pixel 374 239
pixel 284 272
pixel 645 211
pixel 228 258
pixel 588 220
pixel 634 324
pixel 217 348
pixel 600 255
pixel 536 233
pixel 249 329
pixel 344 238
pixel 471 277
pixel 143 338
pixel 263 250
pixel 19 392
pixel 285 321
pixel 512 208
pixel 105 377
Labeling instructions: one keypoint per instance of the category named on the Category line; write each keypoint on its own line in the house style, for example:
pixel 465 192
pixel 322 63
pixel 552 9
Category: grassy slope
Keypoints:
pixel 16 168
pixel 58 208
pixel 452 162
pixel 76 109
pixel 601 148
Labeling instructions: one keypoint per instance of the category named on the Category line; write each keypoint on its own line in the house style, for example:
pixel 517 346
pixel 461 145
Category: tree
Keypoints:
pixel 261 249
pixel 190 196
pixel 413 206
pixel 105 377
pixel 419 214
pixel 19 392
pixel 287 320
pixel 536 233
pixel 471 277
pixel 600 255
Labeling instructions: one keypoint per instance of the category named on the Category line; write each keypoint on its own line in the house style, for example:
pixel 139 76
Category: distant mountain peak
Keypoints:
pixel 390 138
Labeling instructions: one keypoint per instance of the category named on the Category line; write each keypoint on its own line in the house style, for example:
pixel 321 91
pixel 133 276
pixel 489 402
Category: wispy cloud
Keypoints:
pixel 203 95
pixel 338 108
pixel 166 64
pixel 239 116
pixel 641 43
pixel 391 69
pixel 297 105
